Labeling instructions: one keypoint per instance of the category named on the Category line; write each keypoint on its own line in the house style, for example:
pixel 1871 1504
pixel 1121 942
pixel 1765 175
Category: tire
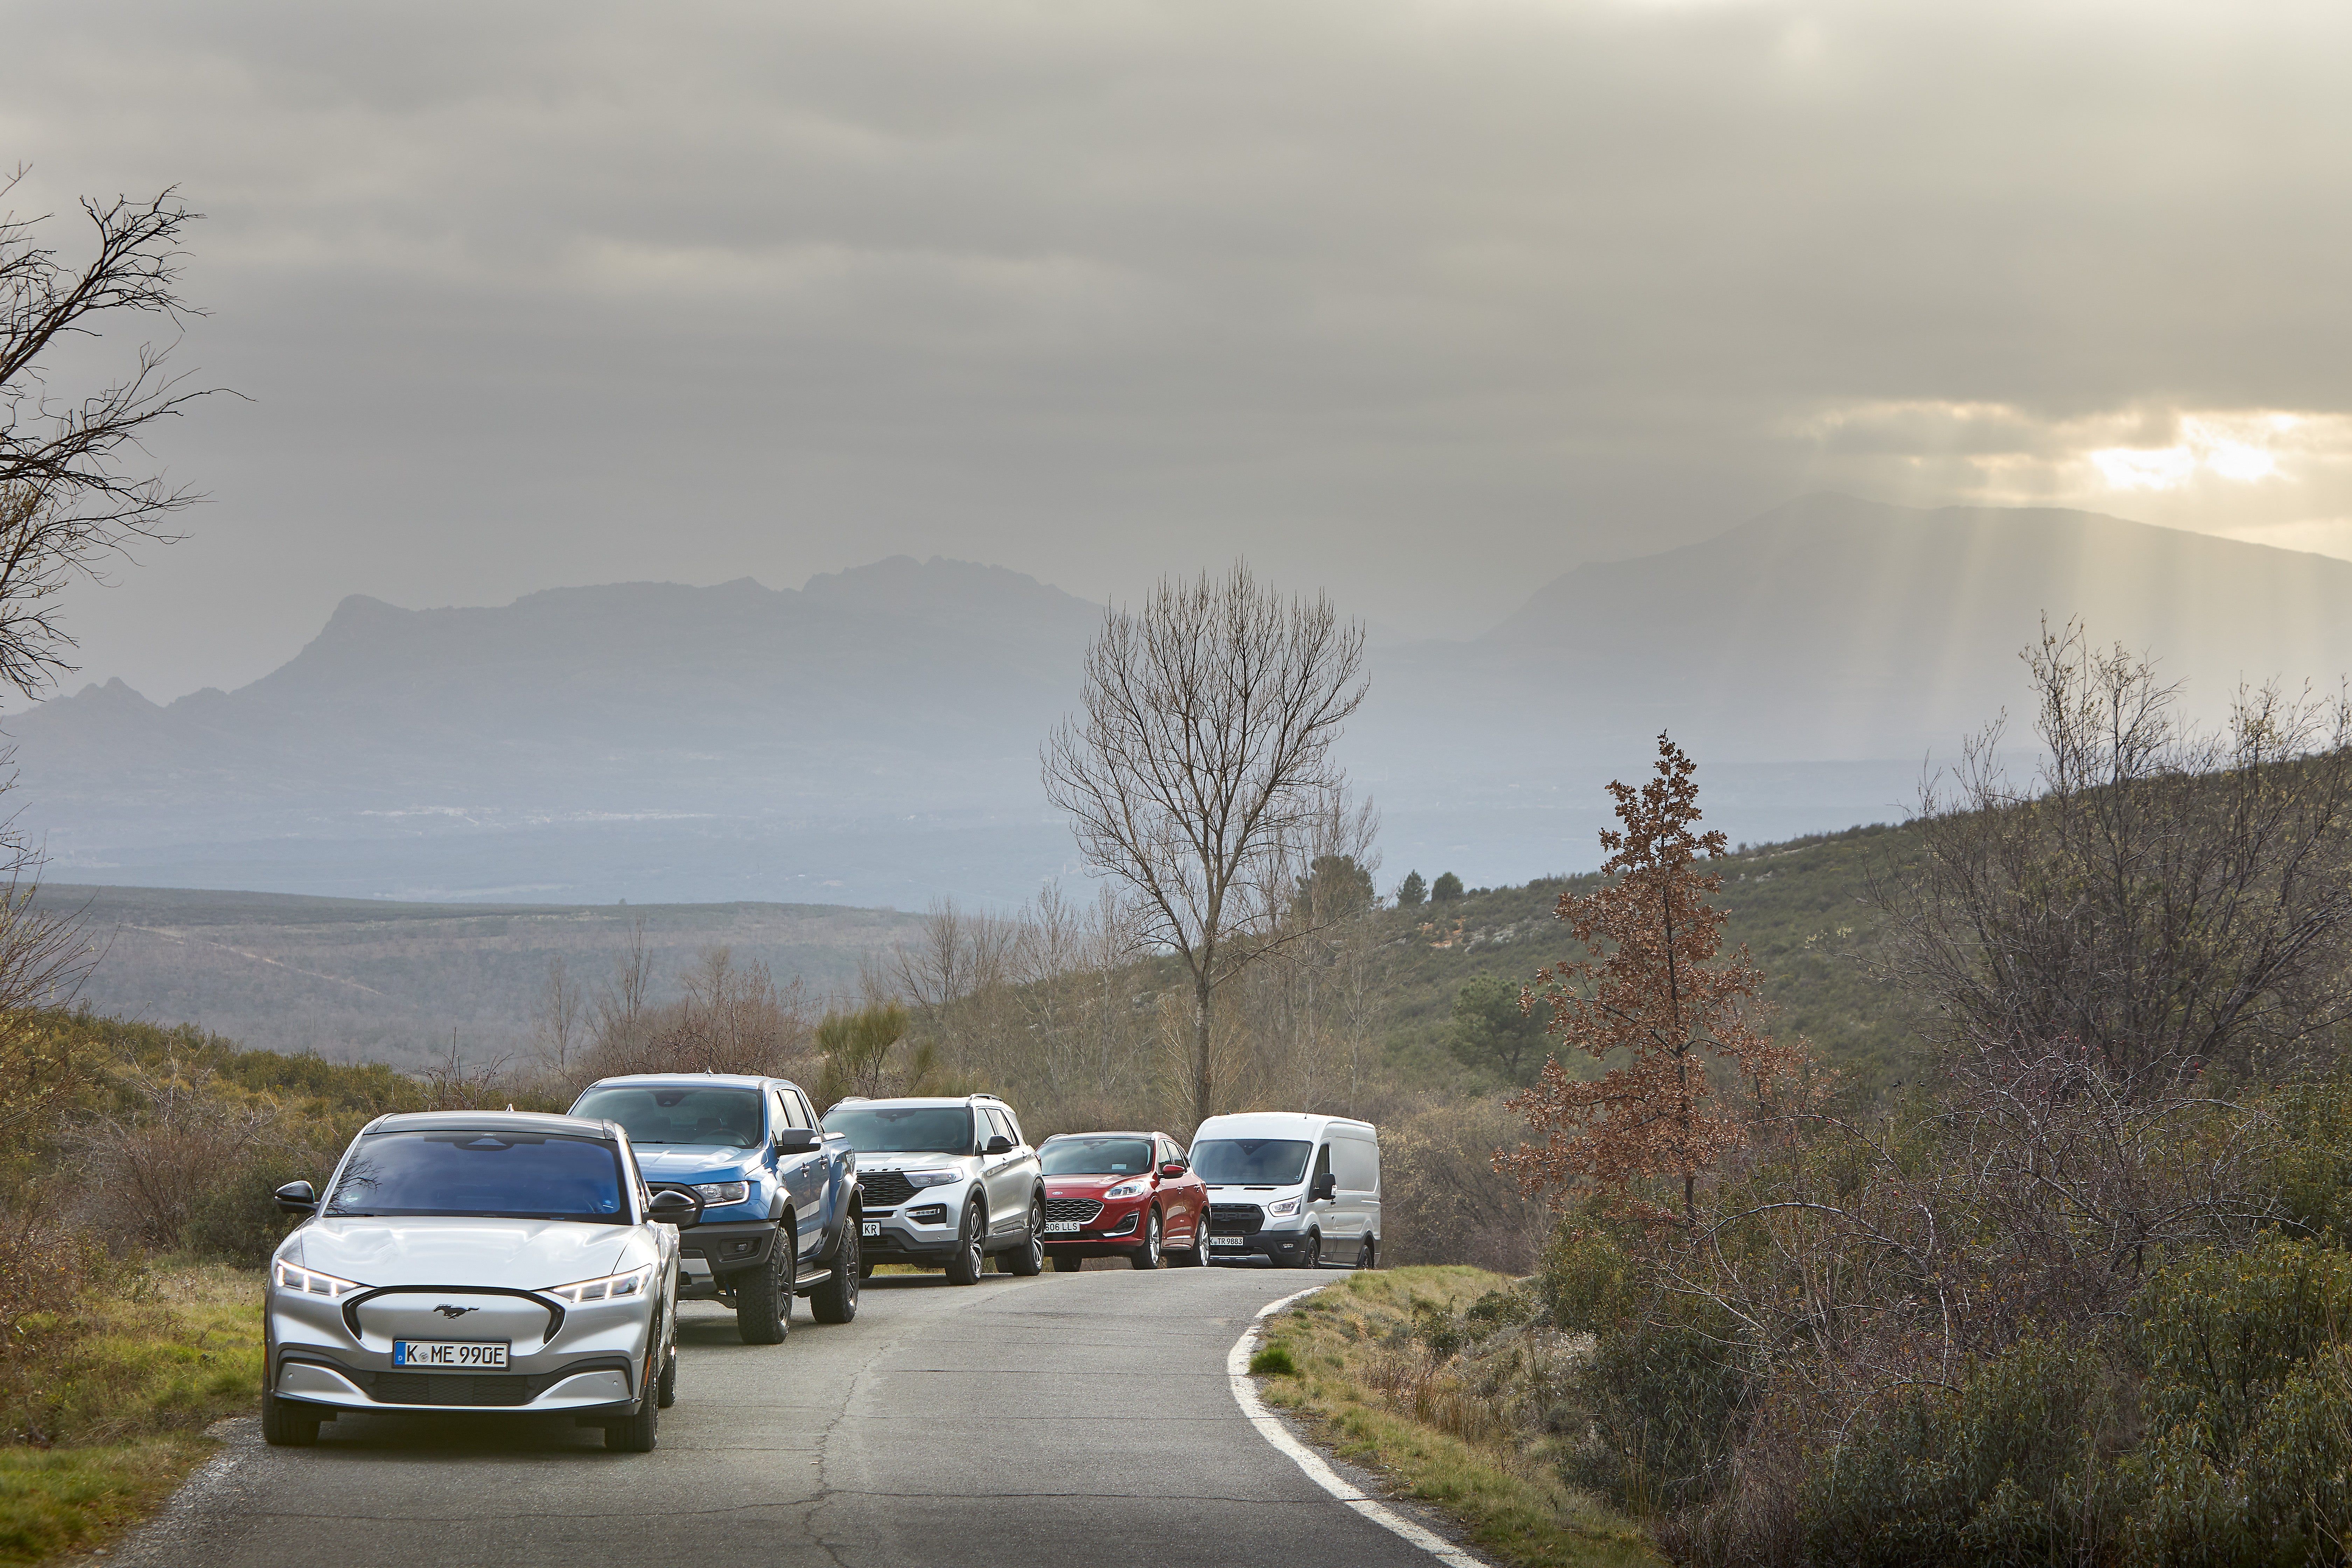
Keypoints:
pixel 636 1434
pixel 1062 1265
pixel 1197 1254
pixel 1368 1257
pixel 288 1423
pixel 665 1386
pixel 1147 1255
pixel 965 1267
pixel 1031 1259
pixel 835 1300
pixel 763 1297
pixel 1314 1259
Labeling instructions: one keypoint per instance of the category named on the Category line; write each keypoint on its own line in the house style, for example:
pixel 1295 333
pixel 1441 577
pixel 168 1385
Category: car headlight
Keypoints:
pixel 724 1193
pixel 311 1282
pixel 931 1178
pixel 1134 1189
pixel 611 1288
pixel 1281 1206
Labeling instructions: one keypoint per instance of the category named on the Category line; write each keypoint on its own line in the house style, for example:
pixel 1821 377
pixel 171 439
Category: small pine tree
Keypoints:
pixel 1650 988
pixel 1411 891
pixel 1446 889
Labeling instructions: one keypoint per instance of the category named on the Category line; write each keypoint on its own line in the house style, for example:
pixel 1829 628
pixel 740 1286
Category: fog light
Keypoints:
pixel 929 1213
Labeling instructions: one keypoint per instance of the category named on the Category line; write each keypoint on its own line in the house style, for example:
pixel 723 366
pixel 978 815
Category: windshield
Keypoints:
pixel 1250 1161
pixel 903 1129
pixel 1094 1156
pixel 715 1118
pixel 504 1175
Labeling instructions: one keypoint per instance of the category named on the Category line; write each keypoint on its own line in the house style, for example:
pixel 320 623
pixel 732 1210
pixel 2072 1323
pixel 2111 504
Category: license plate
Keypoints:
pixel 470 1355
pixel 870 1228
pixel 1059 1226
pixel 1228 1241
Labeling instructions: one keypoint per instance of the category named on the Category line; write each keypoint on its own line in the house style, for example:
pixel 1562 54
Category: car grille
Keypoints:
pixel 449 1388
pixel 1235 1219
pixel 1079 1209
pixel 886 1189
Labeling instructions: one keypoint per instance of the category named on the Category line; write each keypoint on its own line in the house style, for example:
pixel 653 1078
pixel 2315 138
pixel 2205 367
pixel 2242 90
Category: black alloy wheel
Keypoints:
pixel 636 1434
pixel 1312 1257
pixel 1368 1257
pixel 763 1297
pixel 1031 1259
pixel 1147 1255
pixel 287 1423
pixel 835 1300
pixel 965 1265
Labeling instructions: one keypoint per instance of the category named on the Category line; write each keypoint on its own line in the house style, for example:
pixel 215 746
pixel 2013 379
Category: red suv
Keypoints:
pixel 1122 1195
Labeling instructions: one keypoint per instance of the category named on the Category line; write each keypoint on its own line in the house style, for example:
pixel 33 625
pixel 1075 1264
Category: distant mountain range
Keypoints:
pixel 871 738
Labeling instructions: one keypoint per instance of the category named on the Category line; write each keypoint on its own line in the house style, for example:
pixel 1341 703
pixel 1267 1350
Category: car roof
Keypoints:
pixel 918 1100
pixel 493 1121
pixel 1274 1124
pixel 1111 1132
pixel 727 1079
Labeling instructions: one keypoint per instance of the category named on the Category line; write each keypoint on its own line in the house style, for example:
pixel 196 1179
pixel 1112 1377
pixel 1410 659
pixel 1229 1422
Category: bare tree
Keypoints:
pixel 621 1005
pixel 2161 899
pixel 1204 752
pixel 960 952
pixel 556 1034
pixel 44 959
pixel 72 495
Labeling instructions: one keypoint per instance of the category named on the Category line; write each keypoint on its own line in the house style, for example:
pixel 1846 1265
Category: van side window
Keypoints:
pixel 1357 1163
pixel 1322 1164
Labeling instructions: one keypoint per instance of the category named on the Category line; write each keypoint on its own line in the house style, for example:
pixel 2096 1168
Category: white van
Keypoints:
pixel 1296 1189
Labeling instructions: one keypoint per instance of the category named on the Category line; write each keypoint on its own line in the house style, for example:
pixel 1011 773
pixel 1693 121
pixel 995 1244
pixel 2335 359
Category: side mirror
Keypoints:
pixel 1000 1144
pixel 1173 1168
pixel 798 1139
pixel 1325 1185
pixel 670 1206
pixel 298 1197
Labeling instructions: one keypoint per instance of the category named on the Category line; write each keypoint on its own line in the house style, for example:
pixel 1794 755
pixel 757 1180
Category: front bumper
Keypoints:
pixel 1114 1231
pixel 590 1359
pixel 921 1231
pixel 1283 1246
pixel 709 1253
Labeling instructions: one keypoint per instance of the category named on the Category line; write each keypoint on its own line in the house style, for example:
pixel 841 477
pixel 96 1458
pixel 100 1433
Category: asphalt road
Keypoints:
pixel 1063 1421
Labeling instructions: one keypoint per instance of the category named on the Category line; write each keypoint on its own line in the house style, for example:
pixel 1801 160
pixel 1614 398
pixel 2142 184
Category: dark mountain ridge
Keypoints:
pixel 872 737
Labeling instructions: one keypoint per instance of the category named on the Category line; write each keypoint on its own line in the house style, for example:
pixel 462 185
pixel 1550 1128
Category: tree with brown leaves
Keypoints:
pixel 1650 988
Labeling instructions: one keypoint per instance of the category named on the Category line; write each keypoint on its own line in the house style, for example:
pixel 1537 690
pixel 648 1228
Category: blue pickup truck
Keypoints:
pixel 777 1195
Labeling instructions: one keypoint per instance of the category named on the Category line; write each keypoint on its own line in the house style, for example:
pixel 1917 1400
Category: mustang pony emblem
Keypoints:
pixel 449 1312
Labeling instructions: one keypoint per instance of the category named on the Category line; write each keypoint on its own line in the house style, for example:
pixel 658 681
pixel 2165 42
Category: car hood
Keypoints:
pixel 522 1254
pixel 910 1162
pixel 1091 1186
pixel 695 1163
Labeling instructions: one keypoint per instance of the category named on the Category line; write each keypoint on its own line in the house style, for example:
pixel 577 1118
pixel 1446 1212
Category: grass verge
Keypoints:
pixel 106 1403
pixel 1366 1379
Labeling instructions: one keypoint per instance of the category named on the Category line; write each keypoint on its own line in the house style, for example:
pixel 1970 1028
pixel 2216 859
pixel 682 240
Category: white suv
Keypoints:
pixel 946 1182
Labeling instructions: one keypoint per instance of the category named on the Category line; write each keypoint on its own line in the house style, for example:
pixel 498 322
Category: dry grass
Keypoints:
pixel 106 1401
pixel 1466 1434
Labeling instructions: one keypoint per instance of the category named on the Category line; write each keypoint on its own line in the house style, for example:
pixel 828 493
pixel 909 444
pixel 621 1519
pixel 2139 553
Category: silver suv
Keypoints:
pixel 947 1183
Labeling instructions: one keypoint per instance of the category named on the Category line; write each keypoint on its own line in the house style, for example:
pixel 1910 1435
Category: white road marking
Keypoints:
pixel 1271 1428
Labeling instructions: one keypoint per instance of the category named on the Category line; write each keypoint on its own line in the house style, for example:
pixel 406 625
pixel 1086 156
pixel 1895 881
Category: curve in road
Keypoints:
pixel 1068 1419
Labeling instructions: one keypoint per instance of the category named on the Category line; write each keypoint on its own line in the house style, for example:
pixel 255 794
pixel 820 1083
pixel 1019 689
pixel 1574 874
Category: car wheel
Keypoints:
pixel 763 1297
pixel 1062 1265
pixel 1147 1255
pixel 1031 1258
pixel 636 1434
pixel 965 1265
pixel 1313 1256
pixel 1368 1256
pixel 835 1300
pixel 288 1423
pixel 1197 1254
pixel 666 1389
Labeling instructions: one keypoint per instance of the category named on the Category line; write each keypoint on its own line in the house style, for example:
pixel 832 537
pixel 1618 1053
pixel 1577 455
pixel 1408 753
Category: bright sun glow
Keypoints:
pixel 2235 449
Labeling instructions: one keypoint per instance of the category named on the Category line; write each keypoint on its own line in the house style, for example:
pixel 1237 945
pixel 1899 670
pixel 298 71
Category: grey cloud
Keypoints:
pixel 1422 301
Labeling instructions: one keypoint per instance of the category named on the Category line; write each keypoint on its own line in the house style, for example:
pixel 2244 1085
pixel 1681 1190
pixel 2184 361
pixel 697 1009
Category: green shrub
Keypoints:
pixel 236 1219
pixel 2004 1470
pixel 1665 1401
pixel 1273 1361
pixel 2221 1335
pixel 2310 1172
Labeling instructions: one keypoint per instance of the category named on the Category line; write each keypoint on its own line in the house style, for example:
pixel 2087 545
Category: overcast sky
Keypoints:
pixel 1421 302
